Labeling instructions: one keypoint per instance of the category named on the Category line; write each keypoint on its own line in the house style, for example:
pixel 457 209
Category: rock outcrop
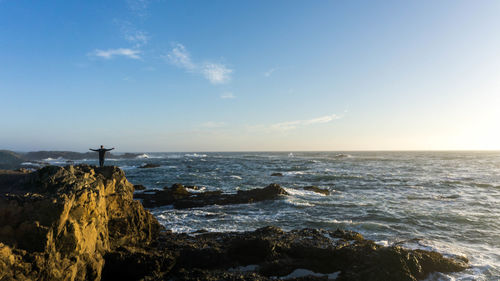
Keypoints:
pixel 181 198
pixel 81 223
pixel 58 223
pixel 269 253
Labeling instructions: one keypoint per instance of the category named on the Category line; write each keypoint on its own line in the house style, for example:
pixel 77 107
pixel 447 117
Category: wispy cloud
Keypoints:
pixel 110 53
pixel 180 57
pixel 132 34
pixel 212 124
pixel 227 95
pixel 290 125
pixel 216 73
pixel 138 7
pixel 270 72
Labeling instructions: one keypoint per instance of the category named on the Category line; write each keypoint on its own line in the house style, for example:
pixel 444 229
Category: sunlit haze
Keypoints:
pixel 144 75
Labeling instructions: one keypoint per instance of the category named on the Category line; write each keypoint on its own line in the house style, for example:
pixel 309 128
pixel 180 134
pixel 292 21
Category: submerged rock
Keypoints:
pixel 181 198
pixel 81 223
pixel 317 189
pixel 149 165
pixel 276 174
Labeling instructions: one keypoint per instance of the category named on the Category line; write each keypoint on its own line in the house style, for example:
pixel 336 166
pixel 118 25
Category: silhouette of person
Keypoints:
pixel 102 152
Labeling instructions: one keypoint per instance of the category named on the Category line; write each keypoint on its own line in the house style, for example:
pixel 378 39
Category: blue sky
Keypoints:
pixel 153 75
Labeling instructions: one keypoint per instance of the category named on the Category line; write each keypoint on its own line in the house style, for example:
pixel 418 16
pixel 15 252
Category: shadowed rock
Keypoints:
pixel 181 198
pixel 81 223
pixel 272 253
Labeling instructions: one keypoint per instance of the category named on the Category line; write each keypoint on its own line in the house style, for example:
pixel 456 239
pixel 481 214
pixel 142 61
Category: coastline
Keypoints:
pixel 83 195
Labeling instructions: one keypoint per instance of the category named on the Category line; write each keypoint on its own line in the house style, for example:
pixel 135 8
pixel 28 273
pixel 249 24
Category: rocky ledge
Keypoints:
pixel 181 198
pixel 81 223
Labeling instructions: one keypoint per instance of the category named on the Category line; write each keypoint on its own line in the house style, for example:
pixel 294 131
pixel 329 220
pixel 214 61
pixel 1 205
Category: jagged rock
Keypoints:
pixel 274 253
pixel 317 189
pixel 181 198
pixel 60 222
pixel 81 223
pixel 149 165
pixel 276 174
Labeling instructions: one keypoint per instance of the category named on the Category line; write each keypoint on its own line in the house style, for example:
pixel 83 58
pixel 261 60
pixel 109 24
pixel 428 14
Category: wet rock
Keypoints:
pixel 81 223
pixel 268 253
pixel 139 187
pixel 317 189
pixel 149 165
pixel 181 198
pixel 276 174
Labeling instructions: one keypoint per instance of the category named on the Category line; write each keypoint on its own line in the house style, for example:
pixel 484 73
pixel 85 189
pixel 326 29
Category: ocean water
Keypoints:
pixel 443 201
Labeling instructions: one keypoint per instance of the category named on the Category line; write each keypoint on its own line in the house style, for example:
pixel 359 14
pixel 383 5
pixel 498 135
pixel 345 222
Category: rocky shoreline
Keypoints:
pixel 82 223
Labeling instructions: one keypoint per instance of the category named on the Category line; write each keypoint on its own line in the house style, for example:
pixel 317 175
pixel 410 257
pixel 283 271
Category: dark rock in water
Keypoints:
pixel 81 223
pixel 317 189
pixel 181 198
pixel 139 187
pixel 149 165
pixel 274 253
pixel 276 175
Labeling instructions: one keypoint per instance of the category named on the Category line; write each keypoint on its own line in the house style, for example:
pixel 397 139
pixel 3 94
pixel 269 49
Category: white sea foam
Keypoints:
pixel 302 193
pixel 199 190
pixel 236 177
pixel 299 203
pixel 142 156
pixel 294 173
pixel 384 243
pixel 195 155
pixel 343 155
pixel 31 164
pixel 342 221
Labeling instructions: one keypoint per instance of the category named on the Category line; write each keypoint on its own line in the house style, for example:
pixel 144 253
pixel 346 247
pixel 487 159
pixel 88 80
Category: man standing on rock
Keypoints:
pixel 102 152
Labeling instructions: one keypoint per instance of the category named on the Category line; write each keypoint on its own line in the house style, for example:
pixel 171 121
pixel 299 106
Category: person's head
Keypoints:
pixel 102 146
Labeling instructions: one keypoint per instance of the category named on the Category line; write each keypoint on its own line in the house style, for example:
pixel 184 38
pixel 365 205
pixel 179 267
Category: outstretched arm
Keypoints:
pixel 110 149
pixel 93 149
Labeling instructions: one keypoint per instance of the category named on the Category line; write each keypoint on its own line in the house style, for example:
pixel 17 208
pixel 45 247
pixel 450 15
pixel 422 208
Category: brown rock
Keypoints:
pixel 64 220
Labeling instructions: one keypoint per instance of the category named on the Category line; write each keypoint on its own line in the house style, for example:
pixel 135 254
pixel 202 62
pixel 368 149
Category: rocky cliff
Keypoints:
pixel 81 223
pixel 58 223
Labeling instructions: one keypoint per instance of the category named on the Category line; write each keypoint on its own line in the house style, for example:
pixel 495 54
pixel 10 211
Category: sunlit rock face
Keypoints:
pixel 57 223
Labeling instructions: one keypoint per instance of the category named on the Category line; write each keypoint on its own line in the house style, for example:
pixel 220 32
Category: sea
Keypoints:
pixel 443 201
